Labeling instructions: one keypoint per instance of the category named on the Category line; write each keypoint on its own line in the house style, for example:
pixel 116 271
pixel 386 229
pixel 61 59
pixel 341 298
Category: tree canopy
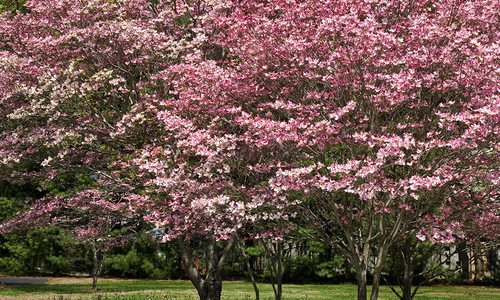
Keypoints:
pixel 371 120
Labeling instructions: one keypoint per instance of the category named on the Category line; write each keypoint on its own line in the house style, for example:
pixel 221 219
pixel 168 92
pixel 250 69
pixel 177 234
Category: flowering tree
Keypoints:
pixel 470 221
pixel 69 72
pixel 383 111
pixel 126 92
pixel 95 219
pixel 217 115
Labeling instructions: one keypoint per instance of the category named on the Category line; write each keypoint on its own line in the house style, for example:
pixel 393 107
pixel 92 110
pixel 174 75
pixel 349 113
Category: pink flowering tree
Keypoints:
pixel 129 94
pixel 205 182
pixel 217 115
pixel 69 72
pixel 381 111
pixel 469 222
pixel 95 218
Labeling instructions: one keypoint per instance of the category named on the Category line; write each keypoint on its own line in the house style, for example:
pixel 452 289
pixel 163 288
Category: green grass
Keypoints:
pixel 183 290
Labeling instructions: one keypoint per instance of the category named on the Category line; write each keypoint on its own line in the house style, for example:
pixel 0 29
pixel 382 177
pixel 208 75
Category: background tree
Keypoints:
pixel 12 5
pixel 95 219
pixel 144 257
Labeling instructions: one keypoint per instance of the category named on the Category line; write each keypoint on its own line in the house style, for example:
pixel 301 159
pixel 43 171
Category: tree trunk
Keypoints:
pixel 375 284
pixel 407 282
pixel 252 279
pixel 377 270
pixel 279 271
pixel 209 288
pixel 212 289
pixel 362 282
pixel 94 283
pixel 360 264
pixel 464 260
pixel 279 283
pixel 276 253
pixel 250 271
pixel 97 261
pixel 407 286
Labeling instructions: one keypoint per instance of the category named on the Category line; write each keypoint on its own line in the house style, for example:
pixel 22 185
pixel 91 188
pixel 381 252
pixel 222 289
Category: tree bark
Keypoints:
pixel 464 260
pixel 407 286
pixel 408 268
pixel 97 261
pixel 279 271
pixel 250 271
pixel 362 282
pixel 210 287
pixel 94 283
pixel 276 254
pixel 375 284
pixel 252 279
pixel 377 270
pixel 213 288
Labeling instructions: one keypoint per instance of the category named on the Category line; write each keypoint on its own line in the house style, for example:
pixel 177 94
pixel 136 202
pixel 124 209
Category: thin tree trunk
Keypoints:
pixel 407 286
pixel 94 283
pixel 213 282
pixel 377 275
pixel 407 282
pixel 464 260
pixel 252 279
pixel 382 253
pixel 375 285
pixel 94 267
pixel 250 271
pixel 98 262
pixel 377 270
pixel 276 255
pixel 190 269
pixel 279 294
pixel 279 271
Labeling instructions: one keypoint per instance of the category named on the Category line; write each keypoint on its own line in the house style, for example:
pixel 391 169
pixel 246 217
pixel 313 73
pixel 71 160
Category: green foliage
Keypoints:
pixel 234 270
pixel 8 207
pixel 311 261
pixel 136 265
pixel 47 250
pixel 331 269
pixel 145 258
pixel 59 264
pixel 16 196
pixel 254 251
pixel 64 183
pixel 318 263
pixel 51 249
pixel 14 256
pixel 12 253
pixel 11 5
pixel 300 269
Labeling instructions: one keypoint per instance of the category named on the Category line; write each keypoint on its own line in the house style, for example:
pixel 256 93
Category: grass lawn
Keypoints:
pixel 111 289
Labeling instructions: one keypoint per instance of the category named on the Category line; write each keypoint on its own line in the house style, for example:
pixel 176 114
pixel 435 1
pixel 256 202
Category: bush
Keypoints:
pixel 145 258
pixel 12 266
